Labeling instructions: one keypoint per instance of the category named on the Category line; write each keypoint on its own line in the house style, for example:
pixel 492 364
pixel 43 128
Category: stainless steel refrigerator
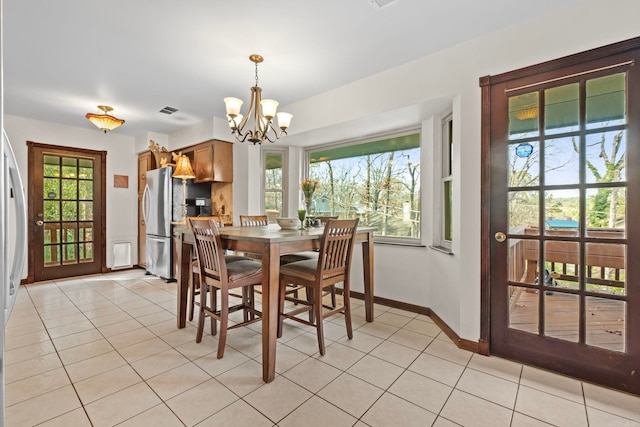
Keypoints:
pixel 159 209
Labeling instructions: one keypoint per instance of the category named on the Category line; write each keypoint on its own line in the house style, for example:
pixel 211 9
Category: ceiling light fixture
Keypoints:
pixel 105 121
pixel 261 111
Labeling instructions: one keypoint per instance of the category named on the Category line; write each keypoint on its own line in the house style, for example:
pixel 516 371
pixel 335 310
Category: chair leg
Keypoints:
pixel 333 296
pixel 282 289
pixel 201 315
pixel 224 321
pixel 347 309
pixel 317 308
pixel 212 303
pixel 192 287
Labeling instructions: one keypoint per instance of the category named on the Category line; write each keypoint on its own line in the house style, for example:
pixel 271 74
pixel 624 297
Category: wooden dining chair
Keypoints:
pixel 253 220
pixel 332 265
pixel 194 277
pixel 216 274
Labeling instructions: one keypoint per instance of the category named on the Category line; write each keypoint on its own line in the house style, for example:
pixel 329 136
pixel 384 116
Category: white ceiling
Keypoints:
pixel 62 58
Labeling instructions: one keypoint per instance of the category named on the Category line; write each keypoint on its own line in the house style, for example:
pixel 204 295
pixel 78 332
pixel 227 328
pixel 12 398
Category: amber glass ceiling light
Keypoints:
pixel 261 114
pixel 105 121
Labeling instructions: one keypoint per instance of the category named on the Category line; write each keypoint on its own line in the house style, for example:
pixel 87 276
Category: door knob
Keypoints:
pixel 500 236
pixel 39 223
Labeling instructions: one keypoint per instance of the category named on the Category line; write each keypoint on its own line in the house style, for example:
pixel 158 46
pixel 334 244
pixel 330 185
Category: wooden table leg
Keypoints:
pixel 270 284
pixel 184 267
pixel 367 265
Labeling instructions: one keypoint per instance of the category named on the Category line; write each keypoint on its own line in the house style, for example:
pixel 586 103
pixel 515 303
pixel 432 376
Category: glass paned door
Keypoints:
pixel 67 191
pixel 564 190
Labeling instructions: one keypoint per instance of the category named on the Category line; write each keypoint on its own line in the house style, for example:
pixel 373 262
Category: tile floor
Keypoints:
pixel 104 350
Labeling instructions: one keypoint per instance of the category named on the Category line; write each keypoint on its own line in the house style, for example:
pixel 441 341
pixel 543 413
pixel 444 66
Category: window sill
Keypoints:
pixel 441 249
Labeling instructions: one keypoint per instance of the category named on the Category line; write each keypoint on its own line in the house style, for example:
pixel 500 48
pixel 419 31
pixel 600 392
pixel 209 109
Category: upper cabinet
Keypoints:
pixel 212 161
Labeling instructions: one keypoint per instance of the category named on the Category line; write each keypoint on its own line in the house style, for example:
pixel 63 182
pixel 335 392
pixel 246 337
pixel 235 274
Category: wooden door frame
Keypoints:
pixel 31 203
pixel 486 82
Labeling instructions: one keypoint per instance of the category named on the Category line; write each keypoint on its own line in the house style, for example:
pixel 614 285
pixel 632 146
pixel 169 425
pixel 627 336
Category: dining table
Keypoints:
pixel 270 242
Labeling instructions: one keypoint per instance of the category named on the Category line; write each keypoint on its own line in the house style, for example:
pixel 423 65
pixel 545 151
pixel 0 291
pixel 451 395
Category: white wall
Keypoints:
pixel 122 208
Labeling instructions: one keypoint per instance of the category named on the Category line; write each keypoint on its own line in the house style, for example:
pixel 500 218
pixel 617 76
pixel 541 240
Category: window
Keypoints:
pixel 274 183
pixel 446 186
pixel 377 181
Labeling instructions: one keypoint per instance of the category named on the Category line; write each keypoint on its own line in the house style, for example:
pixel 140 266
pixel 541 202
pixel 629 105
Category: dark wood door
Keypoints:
pixel 563 195
pixel 66 212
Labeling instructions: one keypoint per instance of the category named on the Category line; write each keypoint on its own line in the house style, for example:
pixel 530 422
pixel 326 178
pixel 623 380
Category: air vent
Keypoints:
pixel 168 110
pixel 378 4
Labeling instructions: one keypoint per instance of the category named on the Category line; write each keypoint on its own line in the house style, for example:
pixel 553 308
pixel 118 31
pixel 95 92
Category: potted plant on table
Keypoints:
pixel 308 187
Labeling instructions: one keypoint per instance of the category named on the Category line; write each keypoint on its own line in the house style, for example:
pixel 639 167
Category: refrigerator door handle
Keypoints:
pixel 21 220
pixel 145 203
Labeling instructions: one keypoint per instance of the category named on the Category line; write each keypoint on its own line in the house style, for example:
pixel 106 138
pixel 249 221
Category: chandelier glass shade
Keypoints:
pixel 104 121
pixel 260 115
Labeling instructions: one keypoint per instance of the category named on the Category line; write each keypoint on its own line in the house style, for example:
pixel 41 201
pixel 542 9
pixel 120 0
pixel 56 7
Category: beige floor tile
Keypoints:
pixel 496 366
pixel 468 410
pixel 422 391
pixel 286 358
pixel 201 401
pixel 107 383
pixel 156 317
pixel 278 398
pixel 376 371
pixel 175 381
pixel 75 418
pixel 34 386
pixel 110 319
pixel 361 341
pixel 26 326
pixel 57 322
pixel 421 326
pixel 214 366
pixel 404 313
pixel 390 410
pixel 42 408
pixel 602 418
pixel 26 339
pixel 74 340
pixel 242 379
pixel 521 420
pixel 488 387
pixel 548 382
pixel 249 346
pixel 340 356
pixel 177 337
pixel 393 319
pixel 411 339
pixel 131 338
pixel 163 328
pixel 317 412
pixel 550 408
pixel 158 416
pixel 397 354
pixel 95 366
pixel 239 414
pixel 158 363
pixel 378 329
pixel 443 422
pixel 307 343
pixel 143 349
pixel 31 367
pixel 351 394
pixel 448 351
pixel 438 369
pixel 312 374
pixel 85 351
pixel 93 312
pixel 119 327
pixel 122 405
pixel 612 401
pixel 31 351
pixel 193 350
pixel 70 329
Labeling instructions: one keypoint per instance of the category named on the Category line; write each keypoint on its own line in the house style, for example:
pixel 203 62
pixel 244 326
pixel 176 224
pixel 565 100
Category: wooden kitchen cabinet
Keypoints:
pixel 213 161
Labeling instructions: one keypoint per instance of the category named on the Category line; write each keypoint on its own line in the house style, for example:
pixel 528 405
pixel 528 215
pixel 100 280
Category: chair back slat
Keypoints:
pixel 210 254
pixel 253 220
pixel 336 248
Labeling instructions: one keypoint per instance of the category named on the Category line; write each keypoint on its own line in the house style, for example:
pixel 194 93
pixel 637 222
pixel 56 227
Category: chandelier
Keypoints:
pixel 104 121
pixel 261 114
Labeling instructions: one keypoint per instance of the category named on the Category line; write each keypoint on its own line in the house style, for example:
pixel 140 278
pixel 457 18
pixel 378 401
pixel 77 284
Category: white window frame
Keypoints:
pixel 285 181
pixel 443 173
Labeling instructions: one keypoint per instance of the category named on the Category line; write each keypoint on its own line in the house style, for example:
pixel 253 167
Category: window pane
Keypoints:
pixel 606 213
pixel 86 211
pixel 524 164
pixel 377 181
pixel 606 101
pixel 69 167
pixel 51 166
pixel 85 169
pixel 273 171
pixel 562 109
pixel 447 192
pixel 85 190
pixel 524 211
pixel 561 161
pixel 562 212
pixel 69 189
pixel 605 157
pixel 51 188
pixel 51 210
pixel 69 211
pixel 523 116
